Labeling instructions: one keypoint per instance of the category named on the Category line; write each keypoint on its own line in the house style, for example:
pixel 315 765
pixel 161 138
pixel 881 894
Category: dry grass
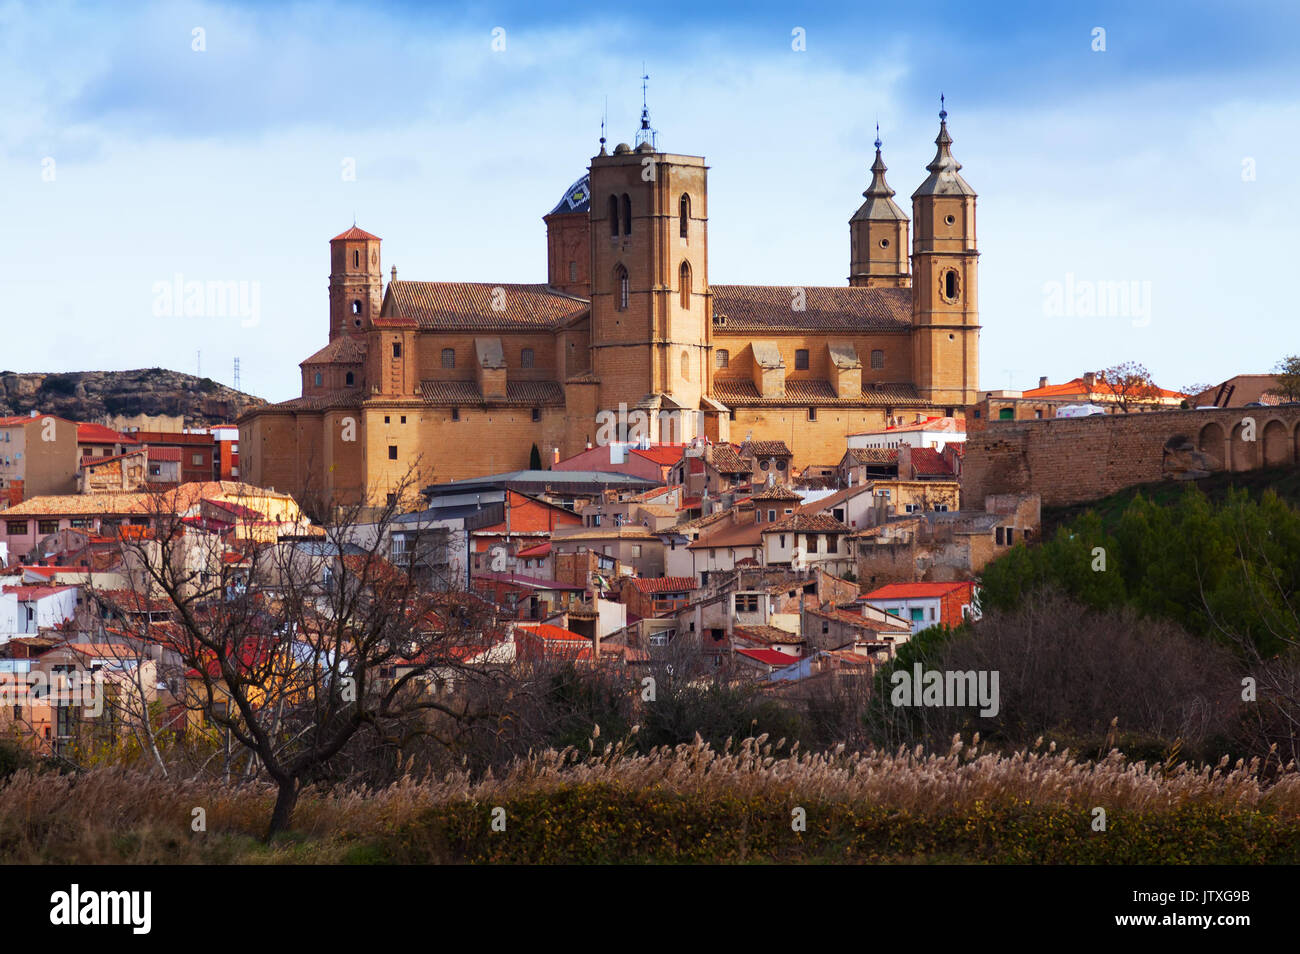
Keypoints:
pixel 120 816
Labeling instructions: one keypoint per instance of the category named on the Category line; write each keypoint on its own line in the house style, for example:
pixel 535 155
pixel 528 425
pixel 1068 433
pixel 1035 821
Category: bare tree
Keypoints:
pixel 1130 384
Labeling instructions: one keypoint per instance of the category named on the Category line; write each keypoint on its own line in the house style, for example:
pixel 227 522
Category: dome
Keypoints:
pixel 622 148
pixel 577 198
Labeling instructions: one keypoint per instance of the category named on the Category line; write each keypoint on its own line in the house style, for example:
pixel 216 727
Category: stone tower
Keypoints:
pixel 356 282
pixel 651 310
pixel 945 313
pixel 568 241
pixel 878 235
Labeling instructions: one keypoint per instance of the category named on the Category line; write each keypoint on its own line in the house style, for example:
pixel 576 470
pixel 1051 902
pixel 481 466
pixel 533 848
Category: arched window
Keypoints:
pixel 686 365
pixel 722 357
pixel 356 258
pixel 684 279
pixel 627 214
pixel 950 285
pixel 877 359
pixel 684 214
pixel 317 379
pixel 449 357
pixel 620 280
pixel 356 306
pixel 613 215
pixel 350 379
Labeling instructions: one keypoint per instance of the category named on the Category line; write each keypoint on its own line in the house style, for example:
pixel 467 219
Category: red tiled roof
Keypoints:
pixel 99 434
pixel 663 454
pixel 874 455
pixel 540 550
pixel 355 233
pixel 769 657
pixel 807 523
pixel 35 592
pixel 751 308
pixel 465 393
pixel 928 461
pixel 458 306
pixel 665 584
pixel 742 392
pixel 767 449
pixel 165 453
pixel 345 349
pixel 549 631
pixel 903 591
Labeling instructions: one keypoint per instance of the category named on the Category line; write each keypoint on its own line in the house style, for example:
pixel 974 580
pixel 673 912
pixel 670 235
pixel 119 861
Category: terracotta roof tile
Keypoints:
pixel 665 584
pixel 354 233
pixel 464 393
pixel 807 523
pixel 766 449
pixel 743 393
pixel 345 349
pixel 453 306
pixel 750 308
pixel 874 455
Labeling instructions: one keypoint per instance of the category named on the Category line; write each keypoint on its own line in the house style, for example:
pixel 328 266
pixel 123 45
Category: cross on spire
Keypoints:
pixel 943 111
pixel 645 133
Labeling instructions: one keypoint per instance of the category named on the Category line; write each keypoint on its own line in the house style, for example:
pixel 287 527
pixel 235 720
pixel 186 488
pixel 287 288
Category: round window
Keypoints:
pixel 884 243
pixel 950 219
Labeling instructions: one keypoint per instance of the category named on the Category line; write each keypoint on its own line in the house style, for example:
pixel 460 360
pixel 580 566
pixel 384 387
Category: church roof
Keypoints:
pixel 880 204
pixel 481 306
pixel 576 198
pixel 769 308
pixel 466 393
pixel 355 233
pixel 742 393
pixel 945 176
pixel 345 349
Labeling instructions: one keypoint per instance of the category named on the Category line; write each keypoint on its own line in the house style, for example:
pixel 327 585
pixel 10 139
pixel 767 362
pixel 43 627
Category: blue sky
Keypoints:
pixel 127 158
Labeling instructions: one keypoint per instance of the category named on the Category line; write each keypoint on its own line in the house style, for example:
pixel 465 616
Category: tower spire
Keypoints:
pixel 603 118
pixel 645 133
pixel 945 176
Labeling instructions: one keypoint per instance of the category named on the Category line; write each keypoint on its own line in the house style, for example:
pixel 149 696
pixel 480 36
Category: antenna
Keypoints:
pixel 236 372
pixel 198 364
pixel 604 117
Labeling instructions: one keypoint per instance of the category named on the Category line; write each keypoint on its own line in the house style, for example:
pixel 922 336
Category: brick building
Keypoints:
pixel 628 326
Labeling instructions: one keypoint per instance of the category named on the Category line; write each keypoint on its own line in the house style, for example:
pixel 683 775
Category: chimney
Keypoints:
pixel 394 278
pixel 1042 382
pixel 1089 379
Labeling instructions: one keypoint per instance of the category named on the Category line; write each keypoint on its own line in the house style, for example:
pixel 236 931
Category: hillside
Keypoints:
pixel 94 395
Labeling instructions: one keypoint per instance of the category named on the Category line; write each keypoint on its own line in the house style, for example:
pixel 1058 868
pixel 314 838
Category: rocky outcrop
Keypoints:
pixel 95 396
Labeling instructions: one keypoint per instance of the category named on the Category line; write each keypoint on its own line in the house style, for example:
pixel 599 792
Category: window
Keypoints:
pixel 686 366
pixel 81 523
pixel 812 413
pixel 197 460
pixel 318 379
pixel 356 306
pixel 402 419
pixel 356 259
pixel 627 215
pixel 781 540
pixel 455 414
pixel 537 414
pixel 997 536
pixel 449 357
pixel 636 551
pixel 801 359
pixel 47 526
pixel 620 279
pixel 721 358
pixel 573 271
pixel 950 285
pixel 397 349
pixel 526 358
pixel 771 516
pixel 350 379
pixel 877 359
pixel 392 452
pixel 387 419
pixel 684 281
pixel 917 616
pixel 683 214
pixel 613 215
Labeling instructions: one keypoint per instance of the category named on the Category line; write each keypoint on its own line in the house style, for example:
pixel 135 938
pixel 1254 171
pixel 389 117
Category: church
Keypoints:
pixel 464 379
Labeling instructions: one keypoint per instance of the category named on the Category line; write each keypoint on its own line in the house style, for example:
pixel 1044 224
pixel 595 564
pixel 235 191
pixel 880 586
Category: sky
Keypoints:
pixel 1140 155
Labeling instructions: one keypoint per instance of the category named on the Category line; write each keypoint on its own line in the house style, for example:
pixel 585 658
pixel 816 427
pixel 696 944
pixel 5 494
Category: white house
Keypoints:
pixel 934 432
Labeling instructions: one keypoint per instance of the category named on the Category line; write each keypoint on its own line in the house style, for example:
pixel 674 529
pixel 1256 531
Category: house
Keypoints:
pixel 524 521
pixel 524 597
pixel 96 440
pixel 659 596
pixel 766 459
pixel 650 461
pixel 927 604
pixel 38 457
pixel 932 432
pixel 196 449
pixel 29 609
pixel 944 546
pixel 545 642
pixel 634 547
pixel 803 540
